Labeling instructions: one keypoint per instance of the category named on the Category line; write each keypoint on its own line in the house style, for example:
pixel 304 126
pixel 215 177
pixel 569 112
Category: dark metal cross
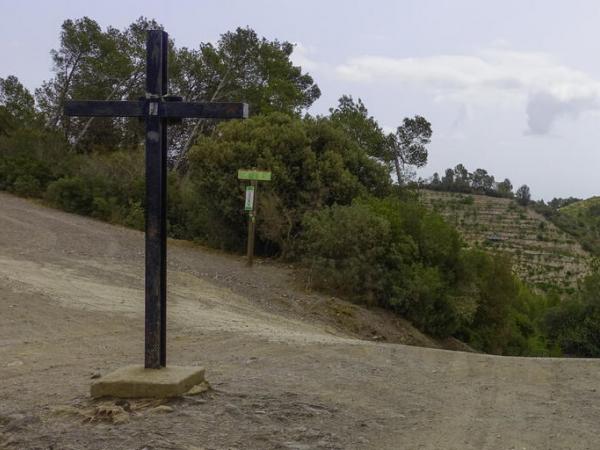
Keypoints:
pixel 156 109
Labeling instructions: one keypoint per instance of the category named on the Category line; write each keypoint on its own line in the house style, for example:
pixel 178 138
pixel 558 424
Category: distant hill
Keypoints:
pixel 543 255
pixel 580 219
pixel 583 206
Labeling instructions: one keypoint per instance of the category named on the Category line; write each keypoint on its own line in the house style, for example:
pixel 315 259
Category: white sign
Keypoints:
pixel 249 198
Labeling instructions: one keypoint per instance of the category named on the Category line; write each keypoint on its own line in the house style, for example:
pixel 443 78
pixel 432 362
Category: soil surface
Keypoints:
pixel 288 369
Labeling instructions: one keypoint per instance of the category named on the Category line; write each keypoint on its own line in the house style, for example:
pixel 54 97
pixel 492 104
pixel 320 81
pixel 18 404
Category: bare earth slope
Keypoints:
pixel 71 305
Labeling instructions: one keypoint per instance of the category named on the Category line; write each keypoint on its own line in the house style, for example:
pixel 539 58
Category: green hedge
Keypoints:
pixel 396 254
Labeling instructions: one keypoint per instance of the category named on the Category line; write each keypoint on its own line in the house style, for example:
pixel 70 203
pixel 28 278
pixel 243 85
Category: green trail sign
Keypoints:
pixel 257 175
pixel 250 205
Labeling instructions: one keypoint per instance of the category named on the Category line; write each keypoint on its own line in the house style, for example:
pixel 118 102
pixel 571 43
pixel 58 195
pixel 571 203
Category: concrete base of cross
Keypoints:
pixel 136 381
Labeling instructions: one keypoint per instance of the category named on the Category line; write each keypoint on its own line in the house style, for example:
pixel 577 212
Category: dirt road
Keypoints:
pixel 284 376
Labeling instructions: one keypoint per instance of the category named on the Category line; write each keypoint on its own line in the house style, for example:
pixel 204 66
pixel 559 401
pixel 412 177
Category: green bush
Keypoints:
pixel 346 249
pixel 388 252
pixel 135 217
pixel 72 195
pixel 574 324
pixel 313 162
pixel 31 158
pixel 24 176
pixel 396 254
pixel 27 186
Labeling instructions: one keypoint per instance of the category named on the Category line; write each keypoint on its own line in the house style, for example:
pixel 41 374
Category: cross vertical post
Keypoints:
pixel 163 239
pixel 156 233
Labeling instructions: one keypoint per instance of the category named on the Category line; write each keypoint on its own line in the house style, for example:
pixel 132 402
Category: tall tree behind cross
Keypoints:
pixel 156 109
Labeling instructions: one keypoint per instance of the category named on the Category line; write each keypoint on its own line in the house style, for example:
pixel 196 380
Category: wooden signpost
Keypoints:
pixel 156 109
pixel 254 176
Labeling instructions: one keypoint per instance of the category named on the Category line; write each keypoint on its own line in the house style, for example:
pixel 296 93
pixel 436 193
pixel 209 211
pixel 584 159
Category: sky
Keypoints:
pixel 512 87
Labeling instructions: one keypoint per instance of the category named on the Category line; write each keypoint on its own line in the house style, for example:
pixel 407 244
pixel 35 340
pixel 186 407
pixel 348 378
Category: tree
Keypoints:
pixel 353 117
pixel 244 67
pixel 408 145
pixel 448 179
pixel 314 164
pixel 505 188
pixel 523 195
pixel 557 203
pixel 461 181
pixel 109 65
pixel 481 181
pixel 79 42
pixel 6 122
pixel 95 64
pixel 121 69
pixel 17 100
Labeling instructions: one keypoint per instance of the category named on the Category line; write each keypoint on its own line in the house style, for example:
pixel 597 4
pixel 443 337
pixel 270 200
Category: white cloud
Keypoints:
pixel 547 88
pixel 302 56
pixel 388 129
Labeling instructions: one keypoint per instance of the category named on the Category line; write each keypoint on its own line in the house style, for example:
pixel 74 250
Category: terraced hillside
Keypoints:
pixel 582 220
pixel 583 206
pixel 542 254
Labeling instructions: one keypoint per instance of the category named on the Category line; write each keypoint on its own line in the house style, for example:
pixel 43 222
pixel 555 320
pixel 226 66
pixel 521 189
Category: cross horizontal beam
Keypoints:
pixel 179 110
pixel 213 110
pixel 99 108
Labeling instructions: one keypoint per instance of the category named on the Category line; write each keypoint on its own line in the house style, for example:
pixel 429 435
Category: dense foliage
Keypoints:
pixel 405 149
pixel 314 164
pixel 574 325
pixel 109 65
pixel 408 146
pixel 394 253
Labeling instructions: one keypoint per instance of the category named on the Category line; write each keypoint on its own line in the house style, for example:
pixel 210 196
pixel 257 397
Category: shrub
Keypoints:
pixel 389 252
pixel 27 186
pixel 468 200
pixel 71 194
pixel 574 325
pixel 313 162
pixel 24 175
pixel 135 216
pixel 396 254
pixel 346 250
